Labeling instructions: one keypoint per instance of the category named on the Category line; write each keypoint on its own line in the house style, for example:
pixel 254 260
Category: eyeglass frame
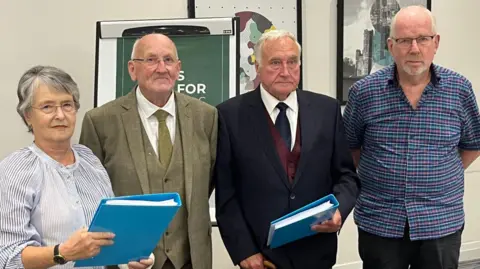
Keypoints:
pixel 410 40
pixel 55 108
pixel 155 61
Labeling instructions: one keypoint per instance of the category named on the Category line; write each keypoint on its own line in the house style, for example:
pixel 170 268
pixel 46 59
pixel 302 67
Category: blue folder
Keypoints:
pixel 301 228
pixel 137 228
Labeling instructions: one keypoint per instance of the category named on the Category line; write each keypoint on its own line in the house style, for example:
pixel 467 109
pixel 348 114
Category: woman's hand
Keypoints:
pixel 83 244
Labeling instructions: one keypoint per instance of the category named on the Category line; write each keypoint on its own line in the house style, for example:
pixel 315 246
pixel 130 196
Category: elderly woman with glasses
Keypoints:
pixel 49 191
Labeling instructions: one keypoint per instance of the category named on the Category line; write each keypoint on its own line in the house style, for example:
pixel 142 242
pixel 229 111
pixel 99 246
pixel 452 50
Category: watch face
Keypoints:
pixel 59 259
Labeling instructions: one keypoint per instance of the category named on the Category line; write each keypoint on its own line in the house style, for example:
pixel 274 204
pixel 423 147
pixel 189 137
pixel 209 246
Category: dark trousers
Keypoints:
pixel 379 252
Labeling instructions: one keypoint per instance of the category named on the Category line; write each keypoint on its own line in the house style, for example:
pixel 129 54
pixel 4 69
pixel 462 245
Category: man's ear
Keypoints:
pixel 179 68
pixel 437 42
pixel 179 65
pixel 131 70
pixel 390 45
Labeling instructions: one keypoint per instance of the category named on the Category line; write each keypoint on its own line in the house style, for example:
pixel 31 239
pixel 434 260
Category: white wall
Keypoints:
pixel 62 33
pixel 59 33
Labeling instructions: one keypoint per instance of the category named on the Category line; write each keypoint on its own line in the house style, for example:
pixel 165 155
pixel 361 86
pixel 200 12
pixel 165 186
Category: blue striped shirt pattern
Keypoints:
pixel 43 202
pixel 410 167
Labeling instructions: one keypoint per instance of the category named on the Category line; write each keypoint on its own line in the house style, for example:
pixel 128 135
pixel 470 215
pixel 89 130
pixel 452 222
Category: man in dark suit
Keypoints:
pixel 279 149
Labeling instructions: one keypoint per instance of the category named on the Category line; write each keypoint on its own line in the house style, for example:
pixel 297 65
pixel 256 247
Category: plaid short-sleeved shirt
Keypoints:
pixel 410 167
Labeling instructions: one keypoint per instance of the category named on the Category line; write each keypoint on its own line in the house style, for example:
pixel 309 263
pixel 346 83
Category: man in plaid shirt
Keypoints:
pixel 413 128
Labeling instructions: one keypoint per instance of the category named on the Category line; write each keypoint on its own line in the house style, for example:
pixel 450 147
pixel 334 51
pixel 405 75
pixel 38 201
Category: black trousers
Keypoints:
pixel 379 252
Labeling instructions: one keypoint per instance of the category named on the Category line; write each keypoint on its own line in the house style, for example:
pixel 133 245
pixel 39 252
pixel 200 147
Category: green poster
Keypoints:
pixel 205 65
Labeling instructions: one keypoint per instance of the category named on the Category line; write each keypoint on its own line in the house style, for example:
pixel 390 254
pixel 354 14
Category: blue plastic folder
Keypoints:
pixel 138 223
pixel 297 224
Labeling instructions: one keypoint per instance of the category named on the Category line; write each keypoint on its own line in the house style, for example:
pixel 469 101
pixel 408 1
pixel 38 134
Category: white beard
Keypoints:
pixel 416 72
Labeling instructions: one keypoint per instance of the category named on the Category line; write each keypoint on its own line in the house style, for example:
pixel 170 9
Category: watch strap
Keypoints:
pixel 55 250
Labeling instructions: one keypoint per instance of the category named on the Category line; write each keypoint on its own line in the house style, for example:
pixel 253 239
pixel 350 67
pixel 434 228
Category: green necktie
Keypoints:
pixel 164 142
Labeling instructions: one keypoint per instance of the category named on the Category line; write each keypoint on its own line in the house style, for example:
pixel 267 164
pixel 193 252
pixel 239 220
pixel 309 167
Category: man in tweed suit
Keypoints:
pixel 156 140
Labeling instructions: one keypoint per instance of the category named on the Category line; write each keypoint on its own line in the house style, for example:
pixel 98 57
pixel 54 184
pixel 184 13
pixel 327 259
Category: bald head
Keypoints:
pixel 412 16
pixel 413 42
pixel 142 44
pixel 155 67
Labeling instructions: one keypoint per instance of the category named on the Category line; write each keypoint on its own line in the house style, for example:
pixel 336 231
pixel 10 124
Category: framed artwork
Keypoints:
pixel 256 17
pixel 363 27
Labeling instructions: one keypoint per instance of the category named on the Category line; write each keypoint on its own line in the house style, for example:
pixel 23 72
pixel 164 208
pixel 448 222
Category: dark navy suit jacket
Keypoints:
pixel 252 188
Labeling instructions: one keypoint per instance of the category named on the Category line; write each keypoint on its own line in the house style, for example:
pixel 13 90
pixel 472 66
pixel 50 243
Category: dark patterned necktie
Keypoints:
pixel 283 125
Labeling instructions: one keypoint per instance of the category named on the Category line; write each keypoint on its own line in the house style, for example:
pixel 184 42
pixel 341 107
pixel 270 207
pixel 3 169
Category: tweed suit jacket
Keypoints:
pixel 114 133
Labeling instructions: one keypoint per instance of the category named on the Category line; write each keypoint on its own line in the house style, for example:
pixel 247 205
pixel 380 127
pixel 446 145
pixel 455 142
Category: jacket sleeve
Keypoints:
pixel 346 182
pixel 232 225
pixel 213 148
pixel 90 138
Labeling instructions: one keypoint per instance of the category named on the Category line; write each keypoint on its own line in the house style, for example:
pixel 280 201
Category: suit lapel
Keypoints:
pixel 258 118
pixel 186 130
pixel 133 130
pixel 309 125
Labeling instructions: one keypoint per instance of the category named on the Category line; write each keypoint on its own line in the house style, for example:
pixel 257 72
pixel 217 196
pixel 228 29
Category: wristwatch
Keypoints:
pixel 57 257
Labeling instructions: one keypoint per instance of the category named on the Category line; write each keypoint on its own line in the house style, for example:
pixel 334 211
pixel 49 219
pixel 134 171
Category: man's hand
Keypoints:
pixel 330 226
pixel 142 264
pixel 253 262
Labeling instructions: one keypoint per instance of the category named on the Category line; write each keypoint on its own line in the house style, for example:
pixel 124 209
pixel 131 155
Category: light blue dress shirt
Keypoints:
pixel 43 202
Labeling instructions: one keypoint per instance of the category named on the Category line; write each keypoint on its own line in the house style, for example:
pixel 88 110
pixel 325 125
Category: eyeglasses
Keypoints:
pixel 49 109
pixel 154 61
pixel 277 64
pixel 407 42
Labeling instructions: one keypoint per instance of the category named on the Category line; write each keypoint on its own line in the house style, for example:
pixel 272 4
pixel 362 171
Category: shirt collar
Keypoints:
pixel 271 102
pixel 434 70
pixel 54 163
pixel 149 108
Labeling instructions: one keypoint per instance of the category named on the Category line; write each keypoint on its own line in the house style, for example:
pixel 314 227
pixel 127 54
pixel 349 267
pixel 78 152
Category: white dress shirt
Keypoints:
pixel 146 110
pixel 271 102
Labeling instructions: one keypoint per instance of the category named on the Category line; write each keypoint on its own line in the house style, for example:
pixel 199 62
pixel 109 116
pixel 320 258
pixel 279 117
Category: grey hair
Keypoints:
pixel 134 49
pixel 426 10
pixel 53 78
pixel 273 35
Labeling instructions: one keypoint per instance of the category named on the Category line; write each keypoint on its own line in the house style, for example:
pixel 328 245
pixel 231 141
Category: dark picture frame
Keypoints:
pixel 356 61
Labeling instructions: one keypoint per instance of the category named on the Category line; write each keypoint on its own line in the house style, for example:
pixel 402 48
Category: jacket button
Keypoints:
pixel 292 196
